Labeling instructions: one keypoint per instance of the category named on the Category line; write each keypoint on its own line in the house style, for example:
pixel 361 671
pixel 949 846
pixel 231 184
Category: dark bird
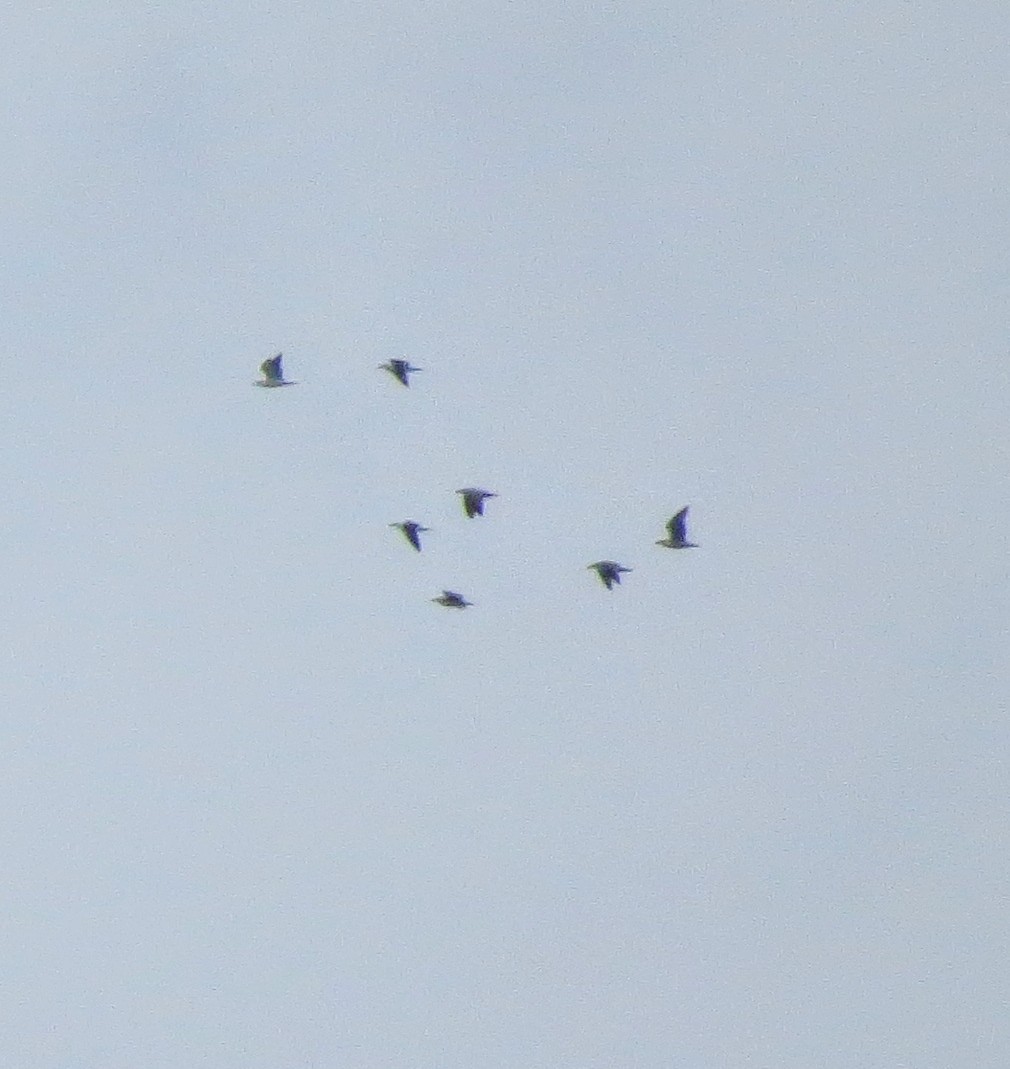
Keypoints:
pixel 273 374
pixel 451 600
pixel 400 370
pixel 609 572
pixel 677 528
pixel 473 500
pixel 411 531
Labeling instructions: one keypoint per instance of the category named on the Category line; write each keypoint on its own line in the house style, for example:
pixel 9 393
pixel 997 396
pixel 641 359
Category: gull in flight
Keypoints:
pixel 609 572
pixel 411 531
pixel 473 500
pixel 401 370
pixel 451 600
pixel 273 374
pixel 677 528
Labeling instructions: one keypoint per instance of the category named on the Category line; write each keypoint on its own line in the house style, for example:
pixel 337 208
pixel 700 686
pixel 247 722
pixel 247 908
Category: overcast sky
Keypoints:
pixel 265 806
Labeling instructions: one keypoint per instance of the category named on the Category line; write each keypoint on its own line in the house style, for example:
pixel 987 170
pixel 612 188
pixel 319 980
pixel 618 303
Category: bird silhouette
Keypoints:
pixel 411 531
pixel 609 572
pixel 473 500
pixel 273 374
pixel 677 536
pixel 401 370
pixel 451 600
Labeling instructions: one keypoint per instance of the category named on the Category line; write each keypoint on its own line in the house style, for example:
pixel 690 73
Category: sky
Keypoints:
pixel 264 805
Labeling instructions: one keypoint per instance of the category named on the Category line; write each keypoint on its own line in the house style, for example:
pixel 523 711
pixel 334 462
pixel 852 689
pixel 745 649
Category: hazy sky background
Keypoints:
pixel 265 806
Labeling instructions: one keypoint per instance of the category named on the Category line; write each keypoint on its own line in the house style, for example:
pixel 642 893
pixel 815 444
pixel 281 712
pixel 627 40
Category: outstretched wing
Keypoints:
pixel 411 531
pixel 272 368
pixel 678 526
pixel 400 368
pixel 605 570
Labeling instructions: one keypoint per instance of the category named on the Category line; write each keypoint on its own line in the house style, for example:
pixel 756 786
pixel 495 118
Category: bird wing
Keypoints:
pixel 410 530
pixel 272 368
pixel 605 570
pixel 678 526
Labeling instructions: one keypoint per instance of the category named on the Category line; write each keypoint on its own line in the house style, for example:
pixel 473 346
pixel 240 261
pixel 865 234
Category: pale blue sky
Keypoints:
pixel 264 805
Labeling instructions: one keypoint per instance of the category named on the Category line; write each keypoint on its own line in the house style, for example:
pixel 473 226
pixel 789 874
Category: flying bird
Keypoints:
pixel 273 374
pixel 401 370
pixel 677 528
pixel 609 572
pixel 451 600
pixel 473 500
pixel 411 531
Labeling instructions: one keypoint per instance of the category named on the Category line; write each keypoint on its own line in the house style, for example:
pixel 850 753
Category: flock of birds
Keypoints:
pixel 473 498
